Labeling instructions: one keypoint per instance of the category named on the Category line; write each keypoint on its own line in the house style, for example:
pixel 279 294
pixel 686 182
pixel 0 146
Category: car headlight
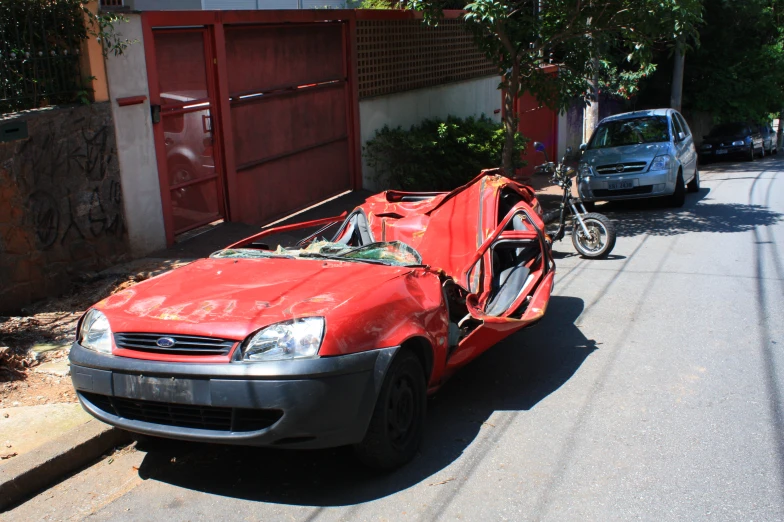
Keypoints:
pixel 95 333
pixel 706 146
pixel 738 143
pixel 585 170
pixel 293 339
pixel 660 163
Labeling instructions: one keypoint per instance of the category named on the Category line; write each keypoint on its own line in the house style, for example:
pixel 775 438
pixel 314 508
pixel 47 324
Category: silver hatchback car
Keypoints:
pixel 639 154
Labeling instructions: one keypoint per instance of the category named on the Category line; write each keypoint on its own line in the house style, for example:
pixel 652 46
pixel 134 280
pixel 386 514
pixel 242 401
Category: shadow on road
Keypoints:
pixel 515 375
pixel 770 163
pixel 699 214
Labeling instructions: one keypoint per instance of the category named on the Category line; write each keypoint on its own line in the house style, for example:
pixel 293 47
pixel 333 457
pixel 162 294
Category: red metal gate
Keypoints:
pixel 183 87
pixel 289 95
pixel 537 123
pixel 259 112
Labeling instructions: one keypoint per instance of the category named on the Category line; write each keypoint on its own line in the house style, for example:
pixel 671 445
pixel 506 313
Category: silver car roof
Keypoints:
pixel 638 114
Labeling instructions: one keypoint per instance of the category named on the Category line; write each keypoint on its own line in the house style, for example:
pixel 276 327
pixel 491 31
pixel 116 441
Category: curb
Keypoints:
pixel 21 477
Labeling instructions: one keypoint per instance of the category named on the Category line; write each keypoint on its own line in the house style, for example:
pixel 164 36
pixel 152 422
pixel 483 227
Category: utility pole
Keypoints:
pixel 591 117
pixel 676 96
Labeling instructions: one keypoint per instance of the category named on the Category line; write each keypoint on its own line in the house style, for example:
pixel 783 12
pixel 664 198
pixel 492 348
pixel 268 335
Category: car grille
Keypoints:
pixel 634 166
pixel 183 344
pixel 185 416
pixel 600 193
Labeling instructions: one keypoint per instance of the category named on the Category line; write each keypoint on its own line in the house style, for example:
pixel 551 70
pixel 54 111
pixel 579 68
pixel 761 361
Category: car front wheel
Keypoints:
pixel 397 425
pixel 678 197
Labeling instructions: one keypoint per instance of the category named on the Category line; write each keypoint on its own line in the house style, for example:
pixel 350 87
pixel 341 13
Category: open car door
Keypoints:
pixel 511 277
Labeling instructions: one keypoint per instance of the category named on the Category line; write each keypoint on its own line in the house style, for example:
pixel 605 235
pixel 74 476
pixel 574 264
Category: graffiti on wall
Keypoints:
pixel 61 209
pixel 69 170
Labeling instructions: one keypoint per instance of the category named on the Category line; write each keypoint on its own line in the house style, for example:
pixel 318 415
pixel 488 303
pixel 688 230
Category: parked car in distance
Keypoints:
pixel 639 154
pixel 770 143
pixel 732 140
pixel 322 343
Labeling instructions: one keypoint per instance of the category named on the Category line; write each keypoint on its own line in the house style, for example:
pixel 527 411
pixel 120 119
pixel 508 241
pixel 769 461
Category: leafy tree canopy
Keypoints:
pixel 522 36
pixel 737 73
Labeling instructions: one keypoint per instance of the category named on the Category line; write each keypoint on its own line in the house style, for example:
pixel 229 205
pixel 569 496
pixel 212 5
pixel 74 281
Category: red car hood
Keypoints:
pixel 231 298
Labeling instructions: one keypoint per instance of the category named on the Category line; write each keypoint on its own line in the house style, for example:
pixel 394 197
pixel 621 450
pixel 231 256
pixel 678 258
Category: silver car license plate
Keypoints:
pixel 620 185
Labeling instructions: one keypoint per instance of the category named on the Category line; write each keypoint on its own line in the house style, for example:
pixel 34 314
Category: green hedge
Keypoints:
pixel 437 154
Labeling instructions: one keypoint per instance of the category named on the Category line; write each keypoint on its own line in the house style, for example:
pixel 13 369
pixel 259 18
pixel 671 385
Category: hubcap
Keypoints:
pixel 594 241
pixel 401 411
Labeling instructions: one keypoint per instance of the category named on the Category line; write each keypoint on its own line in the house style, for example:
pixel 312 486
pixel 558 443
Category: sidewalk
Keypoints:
pixel 47 440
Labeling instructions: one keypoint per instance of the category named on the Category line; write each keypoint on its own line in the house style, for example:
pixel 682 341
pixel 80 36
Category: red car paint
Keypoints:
pixel 366 306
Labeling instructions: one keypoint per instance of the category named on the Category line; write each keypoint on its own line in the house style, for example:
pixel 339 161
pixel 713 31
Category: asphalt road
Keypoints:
pixel 653 390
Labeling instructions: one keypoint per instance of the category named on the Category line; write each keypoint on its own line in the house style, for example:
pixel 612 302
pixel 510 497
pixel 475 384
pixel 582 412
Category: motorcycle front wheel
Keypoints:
pixel 601 240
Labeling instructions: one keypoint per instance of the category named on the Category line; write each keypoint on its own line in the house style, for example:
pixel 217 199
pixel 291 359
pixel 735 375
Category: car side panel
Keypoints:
pixel 411 305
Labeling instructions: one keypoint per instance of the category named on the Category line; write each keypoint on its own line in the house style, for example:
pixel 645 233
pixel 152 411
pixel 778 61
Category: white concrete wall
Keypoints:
pixel 127 76
pixel 462 99
pixel 162 5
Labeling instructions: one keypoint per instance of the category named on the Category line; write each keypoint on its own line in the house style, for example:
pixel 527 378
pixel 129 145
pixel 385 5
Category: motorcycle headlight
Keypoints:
pixel 738 143
pixel 293 339
pixel 660 163
pixel 95 333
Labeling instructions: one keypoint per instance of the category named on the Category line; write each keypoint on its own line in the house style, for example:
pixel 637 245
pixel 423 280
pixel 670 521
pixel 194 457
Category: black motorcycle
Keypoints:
pixel 593 234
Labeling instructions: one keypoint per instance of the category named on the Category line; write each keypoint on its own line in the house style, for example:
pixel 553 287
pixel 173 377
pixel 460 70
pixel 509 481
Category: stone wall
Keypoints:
pixel 61 208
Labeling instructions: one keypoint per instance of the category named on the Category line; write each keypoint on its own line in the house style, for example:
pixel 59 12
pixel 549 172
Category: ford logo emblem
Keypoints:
pixel 166 342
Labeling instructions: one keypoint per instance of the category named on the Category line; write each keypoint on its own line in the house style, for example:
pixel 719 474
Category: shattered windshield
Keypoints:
pixel 394 253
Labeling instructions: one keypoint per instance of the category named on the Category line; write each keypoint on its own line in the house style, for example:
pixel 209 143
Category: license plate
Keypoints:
pixel 164 389
pixel 721 151
pixel 620 185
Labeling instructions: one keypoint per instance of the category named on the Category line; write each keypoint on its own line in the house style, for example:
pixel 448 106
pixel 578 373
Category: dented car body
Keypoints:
pixel 327 342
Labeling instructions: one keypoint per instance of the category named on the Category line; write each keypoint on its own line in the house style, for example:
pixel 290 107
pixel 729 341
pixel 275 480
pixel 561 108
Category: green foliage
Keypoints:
pixel 615 80
pixel 523 36
pixel 40 47
pixel 39 52
pixel 380 4
pixel 737 73
pixel 518 34
pixel 103 27
pixel 437 154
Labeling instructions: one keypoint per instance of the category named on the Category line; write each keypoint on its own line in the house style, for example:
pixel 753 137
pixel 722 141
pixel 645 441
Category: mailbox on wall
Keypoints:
pixel 13 130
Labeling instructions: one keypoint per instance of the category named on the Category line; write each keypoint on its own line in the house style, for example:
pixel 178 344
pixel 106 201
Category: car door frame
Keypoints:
pixel 690 163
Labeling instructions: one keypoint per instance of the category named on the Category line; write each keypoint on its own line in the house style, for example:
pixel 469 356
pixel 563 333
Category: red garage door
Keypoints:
pixel 257 113
pixel 288 90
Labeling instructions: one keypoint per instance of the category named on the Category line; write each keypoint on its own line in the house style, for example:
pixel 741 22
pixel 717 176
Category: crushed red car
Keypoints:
pixel 325 342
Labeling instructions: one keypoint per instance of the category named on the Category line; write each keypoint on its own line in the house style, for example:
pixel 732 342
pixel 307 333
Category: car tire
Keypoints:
pixel 694 184
pixel 762 152
pixel 678 197
pixel 751 154
pixel 397 426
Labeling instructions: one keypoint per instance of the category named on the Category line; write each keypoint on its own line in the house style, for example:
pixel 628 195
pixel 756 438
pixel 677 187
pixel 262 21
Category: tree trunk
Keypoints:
pixel 591 118
pixel 676 96
pixel 510 120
